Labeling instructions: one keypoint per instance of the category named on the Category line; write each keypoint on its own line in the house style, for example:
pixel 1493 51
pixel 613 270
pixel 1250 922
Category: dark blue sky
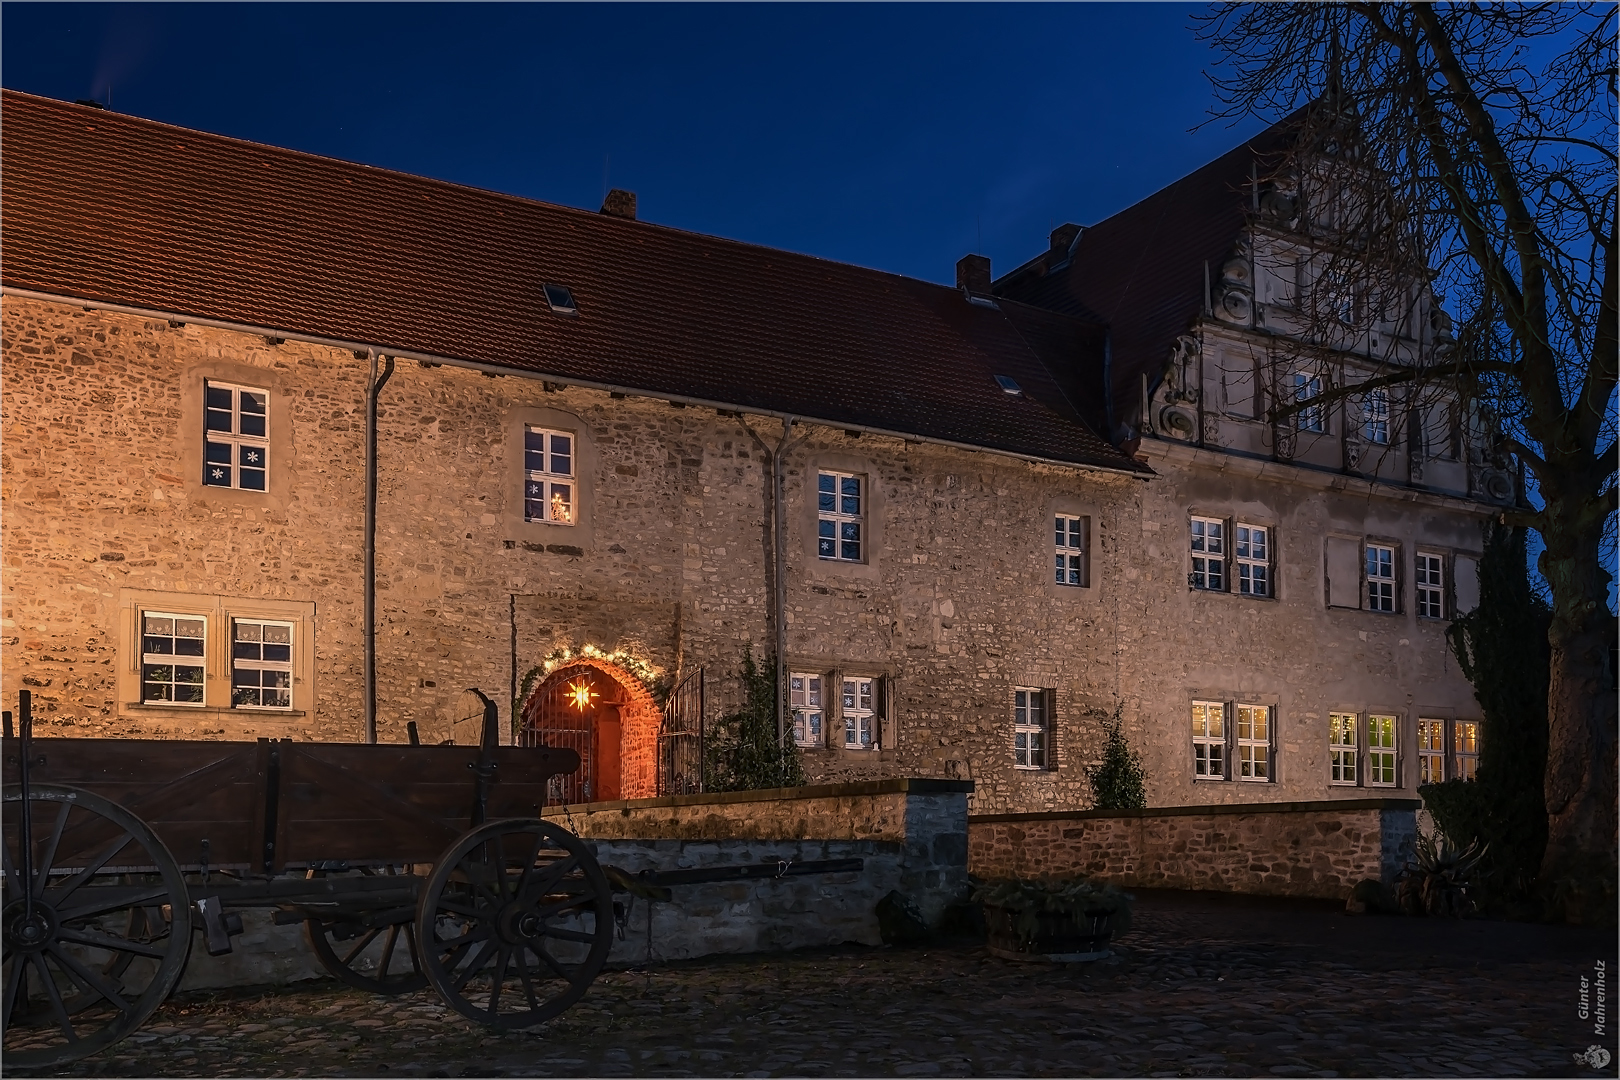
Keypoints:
pixel 890 136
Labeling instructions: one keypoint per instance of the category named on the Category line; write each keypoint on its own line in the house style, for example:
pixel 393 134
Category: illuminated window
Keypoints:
pixel 839 516
pixel 261 664
pixel 236 436
pixel 804 696
pixel 1208 554
pixel 1252 554
pixel 1467 743
pixel 548 476
pixel 173 658
pixel 1431 586
pixel 1342 748
pixel 1375 417
pixel 1254 742
pixel 1209 739
pixel 1029 727
pixel 1381 751
pixel 1308 387
pixel 1072 568
pixel 1431 751
pixel 1380 578
pixel 859 706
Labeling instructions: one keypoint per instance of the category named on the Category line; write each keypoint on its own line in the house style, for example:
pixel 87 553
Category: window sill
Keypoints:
pixel 1209 779
pixel 213 710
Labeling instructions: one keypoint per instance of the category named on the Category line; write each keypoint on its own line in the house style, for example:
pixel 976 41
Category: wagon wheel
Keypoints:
pixel 515 922
pixel 104 935
pixel 374 951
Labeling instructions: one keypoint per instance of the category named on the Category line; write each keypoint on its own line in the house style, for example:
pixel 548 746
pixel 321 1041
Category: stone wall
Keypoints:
pixel 1287 849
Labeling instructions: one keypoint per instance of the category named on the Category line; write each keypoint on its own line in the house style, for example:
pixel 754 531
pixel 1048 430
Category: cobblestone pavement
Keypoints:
pixel 1199 987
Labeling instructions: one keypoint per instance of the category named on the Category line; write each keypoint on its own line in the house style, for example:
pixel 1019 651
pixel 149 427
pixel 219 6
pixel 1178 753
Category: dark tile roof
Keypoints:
pixel 1141 271
pixel 107 207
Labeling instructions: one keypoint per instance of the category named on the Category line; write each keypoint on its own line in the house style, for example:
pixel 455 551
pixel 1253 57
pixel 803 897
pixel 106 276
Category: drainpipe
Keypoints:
pixel 779 531
pixel 374 386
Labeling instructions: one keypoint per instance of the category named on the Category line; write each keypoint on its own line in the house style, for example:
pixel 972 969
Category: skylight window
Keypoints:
pixel 1008 385
pixel 561 300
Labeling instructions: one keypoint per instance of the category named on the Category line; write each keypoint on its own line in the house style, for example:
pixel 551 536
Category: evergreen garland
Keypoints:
pixel 744 751
pixel 1117 783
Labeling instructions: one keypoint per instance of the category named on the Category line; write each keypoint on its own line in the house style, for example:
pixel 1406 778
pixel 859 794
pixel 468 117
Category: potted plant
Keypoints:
pixel 1058 920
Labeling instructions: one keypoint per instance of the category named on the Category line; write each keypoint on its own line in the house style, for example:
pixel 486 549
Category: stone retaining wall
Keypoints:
pixel 1282 849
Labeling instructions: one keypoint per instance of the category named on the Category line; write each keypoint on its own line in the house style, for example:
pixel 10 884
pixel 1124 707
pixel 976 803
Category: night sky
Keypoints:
pixel 897 136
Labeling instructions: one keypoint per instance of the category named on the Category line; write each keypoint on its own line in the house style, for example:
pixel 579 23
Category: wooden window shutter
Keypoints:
pixel 887 736
pixel 833 716
pixel 1049 710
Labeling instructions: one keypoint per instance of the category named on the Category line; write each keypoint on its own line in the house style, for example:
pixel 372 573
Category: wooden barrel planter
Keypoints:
pixel 1059 937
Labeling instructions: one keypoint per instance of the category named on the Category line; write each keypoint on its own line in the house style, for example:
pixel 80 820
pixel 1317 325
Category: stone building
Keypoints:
pixel 299 448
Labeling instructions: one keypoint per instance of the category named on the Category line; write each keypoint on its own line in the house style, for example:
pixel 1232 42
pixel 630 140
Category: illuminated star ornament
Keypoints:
pixel 580 693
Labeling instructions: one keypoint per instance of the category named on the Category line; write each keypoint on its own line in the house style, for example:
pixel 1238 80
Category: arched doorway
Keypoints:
pixel 607 717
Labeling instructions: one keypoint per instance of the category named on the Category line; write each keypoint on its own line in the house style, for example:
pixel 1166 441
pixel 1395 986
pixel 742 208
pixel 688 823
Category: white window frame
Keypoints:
pixel 553 491
pixel 1343 751
pixel 1310 418
pixel 241 449
pixel 1072 562
pixel 1465 733
pixel 1429 585
pixel 860 721
pixel 1209 740
pixel 262 664
pixel 1207 539
pixel 151 660
pixel 837 526
pixel 807 697
pixel 1382 584
pixel 1383 750
pixel 1251 553
pixel 1254 751
pixel 1031 727
pixel 1375 416
pixel 1431 750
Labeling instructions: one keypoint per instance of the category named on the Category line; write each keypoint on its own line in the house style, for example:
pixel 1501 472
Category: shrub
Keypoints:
pixel 1117 783
pixel 744 750
pixel 1076 898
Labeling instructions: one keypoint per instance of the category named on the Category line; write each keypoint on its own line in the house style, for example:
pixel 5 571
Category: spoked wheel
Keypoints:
pixel 101 936
pixel 515 922
pixel 373 951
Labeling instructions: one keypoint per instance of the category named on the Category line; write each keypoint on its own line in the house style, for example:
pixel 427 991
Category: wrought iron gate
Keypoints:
pixel 680 742
pixel 559 717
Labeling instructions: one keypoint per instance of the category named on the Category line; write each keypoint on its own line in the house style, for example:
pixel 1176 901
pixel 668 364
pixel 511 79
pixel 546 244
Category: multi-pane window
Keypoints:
pixel 838 516
pixel 1208 554
pixel 859 706
pixel 1375 416
pixel 1254 742
pixel 1308 387
pixel 1467 740
pixel 1381 751
pixel 804 696
pixel 261 664
pixel 1071 551
pixel 1029 728
pixel 1380 578
pixel 172 658
pixel 1431 737
pixel 236 436
pixel 1342 747
pixel 1251 550
pixel 1430 582
pixel 1209 739
pixel 548 476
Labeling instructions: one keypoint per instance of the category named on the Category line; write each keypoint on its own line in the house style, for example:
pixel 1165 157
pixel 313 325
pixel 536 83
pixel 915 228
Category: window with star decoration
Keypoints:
pixel 548 476
pixel 236 437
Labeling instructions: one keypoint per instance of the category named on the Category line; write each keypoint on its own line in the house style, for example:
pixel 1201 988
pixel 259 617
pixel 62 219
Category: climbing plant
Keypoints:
pixel 1117 782
pixel 744 750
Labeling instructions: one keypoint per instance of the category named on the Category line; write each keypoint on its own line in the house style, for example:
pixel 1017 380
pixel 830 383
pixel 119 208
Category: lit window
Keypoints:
pixel 1431 751
pixel 1381 751
pixel 1467 732
pixel 859 710
pixel 236 437
pixel 1375 417
pixel 1252 552
pixel 1431 586
pixel 1029 728
pixel 1208 554
pixel 1342 748
pixel 1380 578
pixel 838 516
pixel 1254 742
pixel 1072 568
pixel 804 696
pixel 1209 739
pixel 1308 387
pixel 173 662
pixel 548 476
pixel 261 664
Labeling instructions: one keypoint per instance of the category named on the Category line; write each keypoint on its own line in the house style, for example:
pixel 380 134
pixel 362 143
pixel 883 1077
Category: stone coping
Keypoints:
pixel 902 785
pixel 1319 806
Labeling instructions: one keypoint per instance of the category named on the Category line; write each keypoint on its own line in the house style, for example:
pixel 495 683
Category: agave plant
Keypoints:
pixel 1440 877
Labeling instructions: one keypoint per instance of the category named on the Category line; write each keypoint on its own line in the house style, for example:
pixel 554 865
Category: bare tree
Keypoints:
pixel 1476 167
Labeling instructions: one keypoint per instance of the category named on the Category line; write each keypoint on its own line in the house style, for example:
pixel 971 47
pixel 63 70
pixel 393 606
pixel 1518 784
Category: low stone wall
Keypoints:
pixel 1283 849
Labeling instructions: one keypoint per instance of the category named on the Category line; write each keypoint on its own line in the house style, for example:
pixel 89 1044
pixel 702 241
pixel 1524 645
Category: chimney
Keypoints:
pixel 973 275
pixel 620 203
pixel 1063 238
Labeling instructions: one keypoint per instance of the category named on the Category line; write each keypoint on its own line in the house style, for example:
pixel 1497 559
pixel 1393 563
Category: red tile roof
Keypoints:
pixel 106 207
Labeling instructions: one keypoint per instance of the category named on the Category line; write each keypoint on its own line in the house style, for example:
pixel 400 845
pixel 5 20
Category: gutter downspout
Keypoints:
pixel 779 529
pixel 374 387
